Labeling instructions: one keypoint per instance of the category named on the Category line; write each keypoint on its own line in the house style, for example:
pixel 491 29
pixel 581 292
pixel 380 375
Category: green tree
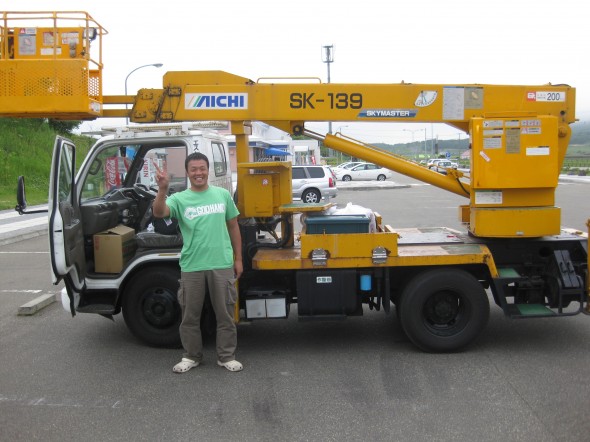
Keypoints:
pixel 63 127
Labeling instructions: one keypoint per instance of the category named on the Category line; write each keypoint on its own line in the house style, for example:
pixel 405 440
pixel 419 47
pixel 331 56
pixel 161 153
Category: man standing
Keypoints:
pixel 211 257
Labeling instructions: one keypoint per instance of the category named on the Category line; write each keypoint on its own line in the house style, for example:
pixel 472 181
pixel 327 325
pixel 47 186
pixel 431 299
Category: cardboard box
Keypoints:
pixel 113 248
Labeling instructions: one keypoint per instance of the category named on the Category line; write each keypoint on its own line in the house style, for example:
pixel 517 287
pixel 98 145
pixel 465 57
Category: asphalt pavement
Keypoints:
pixel 87 378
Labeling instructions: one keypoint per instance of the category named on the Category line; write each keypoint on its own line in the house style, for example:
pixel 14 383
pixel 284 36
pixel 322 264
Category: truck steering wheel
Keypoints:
pixel 145 191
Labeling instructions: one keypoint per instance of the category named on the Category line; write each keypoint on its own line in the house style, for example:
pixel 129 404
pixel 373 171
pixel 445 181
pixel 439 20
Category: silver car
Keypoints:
pixel 312 183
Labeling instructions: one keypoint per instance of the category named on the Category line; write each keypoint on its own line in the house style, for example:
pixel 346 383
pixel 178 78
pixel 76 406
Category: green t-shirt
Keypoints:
pixel 202 220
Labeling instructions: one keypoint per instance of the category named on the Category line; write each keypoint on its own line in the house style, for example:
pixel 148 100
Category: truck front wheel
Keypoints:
pixel 443 310
pixel 151 309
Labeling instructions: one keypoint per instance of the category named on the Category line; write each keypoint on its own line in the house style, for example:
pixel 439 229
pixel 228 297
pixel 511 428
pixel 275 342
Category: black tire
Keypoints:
pixel 150 307
pixel 443 310
pixel 381 178
pixel 311 196
pixel 346 178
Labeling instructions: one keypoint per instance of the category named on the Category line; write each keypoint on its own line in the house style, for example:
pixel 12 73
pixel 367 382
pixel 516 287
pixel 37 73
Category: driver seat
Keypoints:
pixel 155 240
pixel 165 233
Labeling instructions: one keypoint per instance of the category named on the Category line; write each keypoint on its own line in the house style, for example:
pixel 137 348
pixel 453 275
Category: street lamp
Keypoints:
pixel 156 65
pixel 328 58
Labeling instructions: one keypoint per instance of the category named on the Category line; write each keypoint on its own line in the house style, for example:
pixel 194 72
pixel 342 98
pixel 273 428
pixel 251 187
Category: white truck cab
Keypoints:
pixel 103 243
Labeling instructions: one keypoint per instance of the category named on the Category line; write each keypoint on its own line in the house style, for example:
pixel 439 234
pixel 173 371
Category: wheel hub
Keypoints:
pixel 159 308
pixel 442 309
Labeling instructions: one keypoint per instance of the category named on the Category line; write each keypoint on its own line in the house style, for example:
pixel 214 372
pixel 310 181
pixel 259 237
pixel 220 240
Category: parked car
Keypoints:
pixel 363 171
pixel 332 172
pixel 441 166
pixel 347 165
pixel 312 183
pixel 432 162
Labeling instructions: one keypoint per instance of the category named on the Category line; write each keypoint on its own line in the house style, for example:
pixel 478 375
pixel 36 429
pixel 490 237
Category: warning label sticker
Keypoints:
pixel 488 197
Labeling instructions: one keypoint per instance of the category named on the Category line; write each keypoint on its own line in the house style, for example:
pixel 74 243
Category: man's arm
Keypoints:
pixel 159 208
pixel 233 229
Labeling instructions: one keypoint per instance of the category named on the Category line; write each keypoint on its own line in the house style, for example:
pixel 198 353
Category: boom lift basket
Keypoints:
pixel 46 66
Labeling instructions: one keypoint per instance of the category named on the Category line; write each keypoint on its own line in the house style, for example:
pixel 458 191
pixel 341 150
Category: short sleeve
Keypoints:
pixel 231 210
pixel 172 203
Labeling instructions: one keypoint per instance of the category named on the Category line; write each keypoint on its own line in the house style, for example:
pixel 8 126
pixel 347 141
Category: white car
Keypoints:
pixel 441 166
pixel 364 171
pixel 347 165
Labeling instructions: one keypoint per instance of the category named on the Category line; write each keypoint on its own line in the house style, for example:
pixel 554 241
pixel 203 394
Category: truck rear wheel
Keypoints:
pixel 151 309
pixel 443 310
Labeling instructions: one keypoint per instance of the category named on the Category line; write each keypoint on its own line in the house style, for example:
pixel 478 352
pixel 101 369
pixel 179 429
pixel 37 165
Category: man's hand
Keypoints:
pixel 162 179
pixel 238 268
pixel 159 207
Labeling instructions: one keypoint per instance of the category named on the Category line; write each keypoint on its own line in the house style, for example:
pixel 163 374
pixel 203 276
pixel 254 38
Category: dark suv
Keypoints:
pixel 312 183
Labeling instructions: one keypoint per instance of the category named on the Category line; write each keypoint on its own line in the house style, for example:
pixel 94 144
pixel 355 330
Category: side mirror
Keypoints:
pixel 21 198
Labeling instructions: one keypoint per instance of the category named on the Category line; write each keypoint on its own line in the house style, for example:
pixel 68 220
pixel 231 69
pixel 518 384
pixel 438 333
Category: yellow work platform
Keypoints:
pixel 46 65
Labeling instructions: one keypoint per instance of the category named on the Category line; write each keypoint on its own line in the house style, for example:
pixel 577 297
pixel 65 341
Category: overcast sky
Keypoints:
pixel 530 42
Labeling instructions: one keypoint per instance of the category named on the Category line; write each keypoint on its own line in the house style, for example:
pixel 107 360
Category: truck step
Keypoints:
pixel 101 309
pixel 529 311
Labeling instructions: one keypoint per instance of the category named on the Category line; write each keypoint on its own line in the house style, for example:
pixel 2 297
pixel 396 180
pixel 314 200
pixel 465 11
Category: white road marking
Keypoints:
pixel 20 291
pixel 21 253
pixel 23 224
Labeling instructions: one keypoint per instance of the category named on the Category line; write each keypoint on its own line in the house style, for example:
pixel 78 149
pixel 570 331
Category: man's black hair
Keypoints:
pixel 195 156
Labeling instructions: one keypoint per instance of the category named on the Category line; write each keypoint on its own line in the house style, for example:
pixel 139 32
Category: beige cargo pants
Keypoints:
pixel 191 297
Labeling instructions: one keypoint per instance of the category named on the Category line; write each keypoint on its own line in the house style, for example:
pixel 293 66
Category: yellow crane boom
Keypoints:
pixel 519 134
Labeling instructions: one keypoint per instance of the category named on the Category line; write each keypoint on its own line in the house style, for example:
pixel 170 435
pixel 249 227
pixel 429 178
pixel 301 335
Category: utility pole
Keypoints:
pixel 328 58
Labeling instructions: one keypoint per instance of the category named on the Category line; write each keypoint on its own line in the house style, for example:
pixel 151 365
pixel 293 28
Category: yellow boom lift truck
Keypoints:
pixel 437 278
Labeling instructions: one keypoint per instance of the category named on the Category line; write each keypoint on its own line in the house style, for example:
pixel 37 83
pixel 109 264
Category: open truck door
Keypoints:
pixel 66 239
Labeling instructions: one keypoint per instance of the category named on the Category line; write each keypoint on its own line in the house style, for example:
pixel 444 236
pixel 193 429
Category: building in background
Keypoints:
pixel 268 143
pixel 305 152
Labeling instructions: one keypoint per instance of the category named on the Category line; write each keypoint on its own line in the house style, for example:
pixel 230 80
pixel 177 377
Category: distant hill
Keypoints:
pixel 579 145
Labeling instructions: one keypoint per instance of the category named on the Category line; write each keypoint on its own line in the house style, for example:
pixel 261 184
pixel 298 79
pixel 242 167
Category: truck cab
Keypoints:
pixel 105 245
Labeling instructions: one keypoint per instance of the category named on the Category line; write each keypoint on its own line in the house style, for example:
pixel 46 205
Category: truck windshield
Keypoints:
pixel 107 172
pixel 111 169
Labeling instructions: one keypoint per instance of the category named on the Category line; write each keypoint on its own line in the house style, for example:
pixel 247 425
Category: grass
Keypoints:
pixel 26 147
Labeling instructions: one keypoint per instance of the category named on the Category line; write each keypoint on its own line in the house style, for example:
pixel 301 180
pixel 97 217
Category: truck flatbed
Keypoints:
pixel 431 246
